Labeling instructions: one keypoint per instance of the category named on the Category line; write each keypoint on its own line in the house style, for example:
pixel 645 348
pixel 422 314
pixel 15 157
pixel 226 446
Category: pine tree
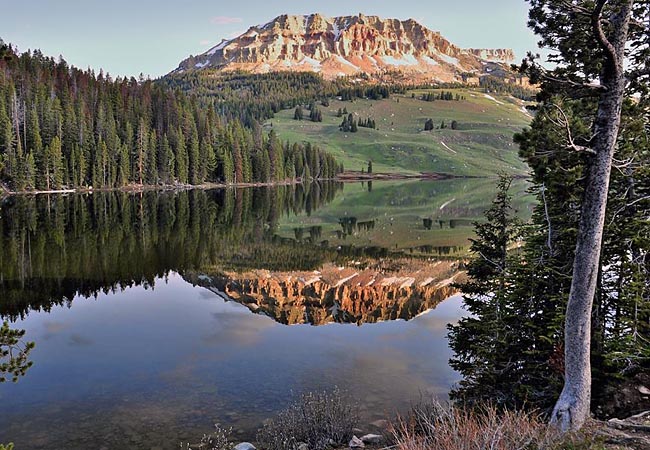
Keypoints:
pixel 586 51
pixel 54 164
pixel 479 340
pixel 181 158
pixel 152 176
pixel 166 167
pixel 14 355
pixel 193 155
pixel 142 148
pixel 124 166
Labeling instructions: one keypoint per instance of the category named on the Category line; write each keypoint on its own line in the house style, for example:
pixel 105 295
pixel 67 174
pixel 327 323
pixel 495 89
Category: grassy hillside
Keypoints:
pixel 482 144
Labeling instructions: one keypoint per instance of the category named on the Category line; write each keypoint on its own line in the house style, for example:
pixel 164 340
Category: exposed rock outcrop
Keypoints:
pixel 347 46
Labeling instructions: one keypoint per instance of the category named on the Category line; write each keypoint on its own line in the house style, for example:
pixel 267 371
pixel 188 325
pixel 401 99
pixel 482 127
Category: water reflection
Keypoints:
pixel 128 297
pixel 53 248
pixel 380 291
pixel 149 366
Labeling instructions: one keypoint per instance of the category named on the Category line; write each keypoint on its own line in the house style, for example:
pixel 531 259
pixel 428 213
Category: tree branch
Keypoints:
pixel 564 122
pixel 607 46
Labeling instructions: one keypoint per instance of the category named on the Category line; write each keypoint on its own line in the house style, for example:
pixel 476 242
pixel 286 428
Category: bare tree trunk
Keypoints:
pixel 573 407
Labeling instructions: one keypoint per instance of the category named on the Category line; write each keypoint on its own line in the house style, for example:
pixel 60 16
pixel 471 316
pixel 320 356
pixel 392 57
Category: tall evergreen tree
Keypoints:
pixel 587 50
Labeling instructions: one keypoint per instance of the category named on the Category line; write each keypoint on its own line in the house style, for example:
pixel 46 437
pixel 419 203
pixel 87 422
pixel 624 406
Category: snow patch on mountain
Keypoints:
pixel 449 59
pixel 218 47
pixel 314 63
pixel 406 60
pixel 344 61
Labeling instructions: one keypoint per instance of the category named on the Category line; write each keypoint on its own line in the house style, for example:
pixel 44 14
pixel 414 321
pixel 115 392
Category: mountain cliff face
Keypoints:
pixel 338 294
pixel 350 45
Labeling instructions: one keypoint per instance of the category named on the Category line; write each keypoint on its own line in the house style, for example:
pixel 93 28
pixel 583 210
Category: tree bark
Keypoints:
pixel 573 407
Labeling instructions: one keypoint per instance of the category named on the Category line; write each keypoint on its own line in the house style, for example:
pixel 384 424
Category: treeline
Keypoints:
pixel 257 97
pixel 377 92
pixel 442 95
pixel 61 127
pixel 495 84
pixel 249 97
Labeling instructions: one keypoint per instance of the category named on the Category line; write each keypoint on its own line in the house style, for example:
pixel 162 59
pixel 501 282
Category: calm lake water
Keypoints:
pixel 130 354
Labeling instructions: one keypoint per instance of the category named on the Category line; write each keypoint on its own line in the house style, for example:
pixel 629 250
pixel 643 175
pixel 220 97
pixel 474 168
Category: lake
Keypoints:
pixel 158 314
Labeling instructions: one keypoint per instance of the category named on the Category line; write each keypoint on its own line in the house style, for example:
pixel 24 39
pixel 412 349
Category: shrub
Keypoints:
pixel 219 439
pixel 319 420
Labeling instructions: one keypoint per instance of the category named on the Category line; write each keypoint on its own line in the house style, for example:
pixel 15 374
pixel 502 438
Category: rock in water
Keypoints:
pixel 372 439
pixel 356 443
pixel 245 446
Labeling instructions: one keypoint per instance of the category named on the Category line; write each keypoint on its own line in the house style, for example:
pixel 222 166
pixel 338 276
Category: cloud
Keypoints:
pixel 225 20
pixel 204 42
pixel 238 328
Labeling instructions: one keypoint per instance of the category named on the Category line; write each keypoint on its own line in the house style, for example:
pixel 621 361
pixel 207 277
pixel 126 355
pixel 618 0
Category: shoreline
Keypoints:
pixel 345 177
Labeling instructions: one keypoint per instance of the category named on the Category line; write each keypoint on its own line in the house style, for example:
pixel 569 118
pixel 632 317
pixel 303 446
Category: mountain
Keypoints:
pixel 350 45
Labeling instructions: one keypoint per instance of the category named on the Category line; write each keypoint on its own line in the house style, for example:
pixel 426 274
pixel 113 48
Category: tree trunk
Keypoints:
pixel 573 407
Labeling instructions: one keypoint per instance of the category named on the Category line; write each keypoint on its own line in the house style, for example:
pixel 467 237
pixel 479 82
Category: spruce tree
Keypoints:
pixel 479 340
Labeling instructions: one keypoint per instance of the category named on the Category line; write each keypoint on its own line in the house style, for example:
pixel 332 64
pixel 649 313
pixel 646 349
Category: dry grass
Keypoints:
pixel 433 426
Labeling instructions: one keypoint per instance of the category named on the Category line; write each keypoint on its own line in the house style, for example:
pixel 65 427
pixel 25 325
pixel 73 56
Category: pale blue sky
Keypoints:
pixel 127 37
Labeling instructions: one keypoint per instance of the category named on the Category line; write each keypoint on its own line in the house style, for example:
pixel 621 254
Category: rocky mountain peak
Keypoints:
pixel 348 45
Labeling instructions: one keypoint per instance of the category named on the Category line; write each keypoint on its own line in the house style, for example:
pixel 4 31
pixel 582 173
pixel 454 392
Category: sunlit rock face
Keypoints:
pixel 350 45
pixel 349 294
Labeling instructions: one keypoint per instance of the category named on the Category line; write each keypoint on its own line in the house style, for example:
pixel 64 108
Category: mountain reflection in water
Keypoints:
pixel 401 289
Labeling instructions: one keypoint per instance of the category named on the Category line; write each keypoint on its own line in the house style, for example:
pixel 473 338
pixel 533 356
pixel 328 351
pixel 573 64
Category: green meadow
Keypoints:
pixel 480 146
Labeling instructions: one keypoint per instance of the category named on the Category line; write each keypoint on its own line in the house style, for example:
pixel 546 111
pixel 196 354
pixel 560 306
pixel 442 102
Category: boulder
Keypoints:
pixel 244 446
pixel 372 439
pixel 355 442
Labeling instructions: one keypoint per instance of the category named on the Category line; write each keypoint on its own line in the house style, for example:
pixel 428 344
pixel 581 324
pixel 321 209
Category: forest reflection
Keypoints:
pixel 55 247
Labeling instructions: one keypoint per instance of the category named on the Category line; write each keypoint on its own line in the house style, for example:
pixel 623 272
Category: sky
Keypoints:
pixel 129 37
